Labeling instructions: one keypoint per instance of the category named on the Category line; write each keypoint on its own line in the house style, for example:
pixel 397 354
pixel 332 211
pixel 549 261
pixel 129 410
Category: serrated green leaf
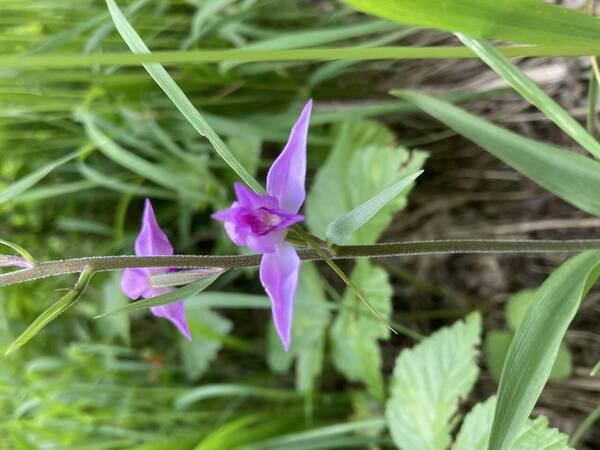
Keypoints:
pixel 532 93
pixel 355 332
pixel 208 329
pixel 536 343
pixel 572 177
pixel 535 435
pixel 363 162
pixel 428 382
pixel 311 318
pixel 527 21
pixel 177 96
pixel 353 220
pixel 164 299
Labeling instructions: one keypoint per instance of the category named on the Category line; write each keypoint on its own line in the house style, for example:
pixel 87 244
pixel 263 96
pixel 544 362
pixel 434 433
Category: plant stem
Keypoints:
pixel 392 249
pixel 310 54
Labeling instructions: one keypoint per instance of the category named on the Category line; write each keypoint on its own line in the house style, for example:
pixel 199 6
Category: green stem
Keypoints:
pixel 310 54
pixel 392 249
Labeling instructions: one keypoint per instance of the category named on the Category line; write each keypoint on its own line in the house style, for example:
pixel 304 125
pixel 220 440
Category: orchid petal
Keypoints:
pixel 151 241
pixel 250 199
pixel 287 175
pixel 134 282
pixel 279 276
pixel 175 312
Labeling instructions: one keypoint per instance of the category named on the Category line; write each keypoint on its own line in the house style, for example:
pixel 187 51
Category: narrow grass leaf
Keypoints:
pixel 536 343
pixel 165 299
pixel 526 21
pixel 177 96
pixel 68 300
pixel 572 177
pixel 210 391
pixel 19 187
pixel 353 220
pixel 20 250
pixel 183 277
pixel 532 93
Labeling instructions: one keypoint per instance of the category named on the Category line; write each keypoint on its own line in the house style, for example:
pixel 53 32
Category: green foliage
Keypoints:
pixel 363 161
pixel 208 330
pixel 497 342
pixel 527 21
pixel 428 382
pixel 536 344
pixel 311 319
pixel 568 175
pixel 355 332
pixel 475 432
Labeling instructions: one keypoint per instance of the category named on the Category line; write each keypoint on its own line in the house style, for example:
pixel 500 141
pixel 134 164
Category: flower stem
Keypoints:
pixel 392 249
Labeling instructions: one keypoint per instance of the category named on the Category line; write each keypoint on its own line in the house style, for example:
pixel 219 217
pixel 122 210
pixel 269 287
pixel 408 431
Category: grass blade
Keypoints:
pixel 20 250
pixel 532 93
pixel 536 343
pixel 527 21
pixel 165 299
pixel 346 224
pixel 177 96
pixel 572 177
pixel 68 300
pixel 27 182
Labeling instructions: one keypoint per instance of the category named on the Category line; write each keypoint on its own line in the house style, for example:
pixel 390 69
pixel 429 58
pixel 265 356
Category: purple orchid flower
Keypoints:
pixel 260 222
pixel 135 283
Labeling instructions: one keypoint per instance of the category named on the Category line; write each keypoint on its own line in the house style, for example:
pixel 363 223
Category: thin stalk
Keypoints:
pixel 392 249
pixel 312 54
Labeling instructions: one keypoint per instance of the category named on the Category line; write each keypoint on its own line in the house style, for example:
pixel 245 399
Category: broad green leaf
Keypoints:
pixel 57 308
pixel 208 329
pixel 496 347
pixel 355 332
pixel 177 96
pixel 19 187
pixel 517 306
pixel 527 21
pixel 164 299
pixel 363 161
pixel 570 176
pixel 535 435
pixel 428 382
pixel 353 220
pixel 532 93
pixel 536 343
pixel 311 318
pixel 113 298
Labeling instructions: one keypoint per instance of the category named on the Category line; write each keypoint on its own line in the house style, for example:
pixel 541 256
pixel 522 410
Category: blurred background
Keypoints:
pixel 131 381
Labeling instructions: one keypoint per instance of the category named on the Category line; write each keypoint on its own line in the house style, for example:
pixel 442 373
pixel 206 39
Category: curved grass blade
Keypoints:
pixel 177 96
pixel 572 177
pixel 232 390
pixel 25 183
pixel 536 343
pixel 352 220
pixel 532 93
pixel 68 300
pixel 165 299
pixel 183 277
pixel 526 21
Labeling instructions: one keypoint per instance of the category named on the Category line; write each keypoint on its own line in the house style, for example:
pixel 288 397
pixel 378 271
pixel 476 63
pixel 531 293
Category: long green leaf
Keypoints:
pixel 177 96
pixel 353 220
pixel 68 300
pixel 527 21
pixel 165 299
pixel 572 177
pixel 25 183
pixel 532 93
pixel 536 343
